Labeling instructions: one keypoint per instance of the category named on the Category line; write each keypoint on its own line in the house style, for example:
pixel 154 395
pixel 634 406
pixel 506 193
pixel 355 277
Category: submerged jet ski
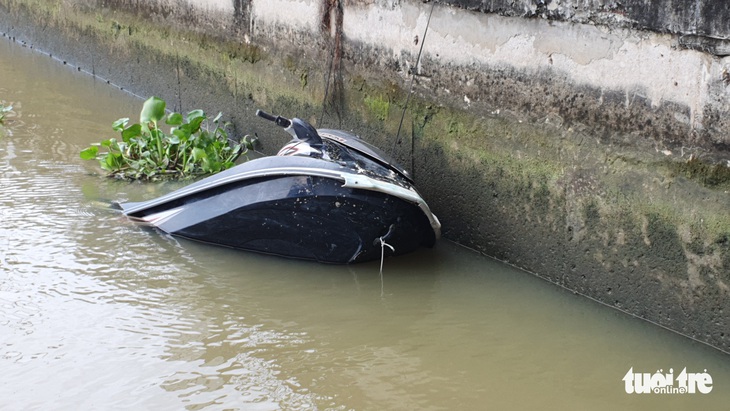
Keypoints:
pixel 326 196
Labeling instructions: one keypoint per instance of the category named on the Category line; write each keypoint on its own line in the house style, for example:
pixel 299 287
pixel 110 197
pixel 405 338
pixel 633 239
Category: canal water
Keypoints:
pixel 98 313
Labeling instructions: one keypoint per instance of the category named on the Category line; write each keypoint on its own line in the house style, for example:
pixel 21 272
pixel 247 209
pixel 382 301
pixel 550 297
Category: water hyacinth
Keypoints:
pixel 3 111
pixel 145 152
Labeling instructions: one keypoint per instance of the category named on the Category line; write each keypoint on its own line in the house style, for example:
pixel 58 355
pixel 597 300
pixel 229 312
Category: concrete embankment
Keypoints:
pixel 586 142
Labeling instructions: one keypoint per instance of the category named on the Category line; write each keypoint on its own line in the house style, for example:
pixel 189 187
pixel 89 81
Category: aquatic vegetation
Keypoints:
pixel 3 111
pixel 146 152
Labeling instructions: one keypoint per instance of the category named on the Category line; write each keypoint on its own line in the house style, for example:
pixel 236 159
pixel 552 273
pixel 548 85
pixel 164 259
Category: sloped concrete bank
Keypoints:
pixel 587 142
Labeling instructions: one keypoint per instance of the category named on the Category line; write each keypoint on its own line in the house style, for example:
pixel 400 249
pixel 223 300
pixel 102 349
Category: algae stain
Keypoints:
pixel 244 52
pixel 709 175
pixel 303 77
pixel 454 127
pixel 378 107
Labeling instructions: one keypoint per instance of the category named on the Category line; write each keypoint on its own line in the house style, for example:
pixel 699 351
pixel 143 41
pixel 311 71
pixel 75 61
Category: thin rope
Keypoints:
pixel 413 78
pixel 327 85
pixel 383 244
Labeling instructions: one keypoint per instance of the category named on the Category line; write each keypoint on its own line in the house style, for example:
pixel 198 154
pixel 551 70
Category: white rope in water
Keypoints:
pixel 383 244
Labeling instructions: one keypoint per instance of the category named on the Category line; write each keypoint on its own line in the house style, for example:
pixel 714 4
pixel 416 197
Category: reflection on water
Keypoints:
pixel 97 313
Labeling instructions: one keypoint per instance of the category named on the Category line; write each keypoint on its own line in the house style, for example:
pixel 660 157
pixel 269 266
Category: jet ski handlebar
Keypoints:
pixel 280 121
pixel 297 127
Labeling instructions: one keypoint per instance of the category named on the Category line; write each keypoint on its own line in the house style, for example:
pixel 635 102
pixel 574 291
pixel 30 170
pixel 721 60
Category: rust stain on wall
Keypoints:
pixel 331 29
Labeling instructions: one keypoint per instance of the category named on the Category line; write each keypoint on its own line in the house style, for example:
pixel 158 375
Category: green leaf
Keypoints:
pixel 195 114
pixel 113 144
pixel 120 124
pixel 221 133
pixel 248 142
pixel 195 124
pixel 89 153
pixel 112 161
pixel 104 162
pixel 153 110
pixel 135 130
pixel 218 117
pixel 174 119
pixel 182 133
pixel 198 154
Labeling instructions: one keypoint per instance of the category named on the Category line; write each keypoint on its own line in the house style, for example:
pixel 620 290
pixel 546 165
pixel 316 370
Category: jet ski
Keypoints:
pixel 327 196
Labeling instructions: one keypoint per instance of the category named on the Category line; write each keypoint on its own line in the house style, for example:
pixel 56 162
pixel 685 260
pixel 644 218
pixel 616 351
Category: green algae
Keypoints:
pixel 715 176
pixel 378 106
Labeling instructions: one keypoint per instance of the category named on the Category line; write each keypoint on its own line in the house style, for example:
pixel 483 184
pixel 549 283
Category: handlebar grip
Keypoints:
pixel 265 115
pixel 278 120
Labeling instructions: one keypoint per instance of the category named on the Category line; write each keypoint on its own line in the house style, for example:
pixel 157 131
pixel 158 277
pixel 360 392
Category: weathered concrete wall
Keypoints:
pixel 710 18
pixel 581 140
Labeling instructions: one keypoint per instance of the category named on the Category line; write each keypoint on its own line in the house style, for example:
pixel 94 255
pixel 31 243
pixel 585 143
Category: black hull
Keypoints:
pixel 317 219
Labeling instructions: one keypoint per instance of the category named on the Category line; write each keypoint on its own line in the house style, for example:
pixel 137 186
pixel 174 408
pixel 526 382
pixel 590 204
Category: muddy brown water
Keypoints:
pixel 98 313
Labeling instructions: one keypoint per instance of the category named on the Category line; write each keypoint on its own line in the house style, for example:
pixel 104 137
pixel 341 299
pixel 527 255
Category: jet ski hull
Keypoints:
pixel 336 200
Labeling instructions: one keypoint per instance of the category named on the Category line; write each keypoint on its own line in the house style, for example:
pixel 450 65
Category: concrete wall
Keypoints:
pixel 631 80
pixel 585 141
pixel 708 18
